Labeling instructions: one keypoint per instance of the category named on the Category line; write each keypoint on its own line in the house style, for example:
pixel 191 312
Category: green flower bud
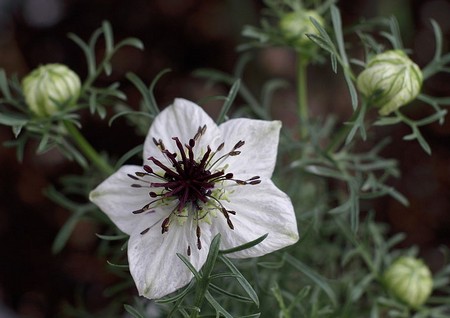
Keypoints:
pixel 410 280
pixel 51 88
pixel 296 24
pixel 391 79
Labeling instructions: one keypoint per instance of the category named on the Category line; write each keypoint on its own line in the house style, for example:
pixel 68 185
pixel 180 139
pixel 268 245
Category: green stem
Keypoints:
pixel 88 150
pixel 342 133
pixel 200 293
pixel 285 312
pixel 302 93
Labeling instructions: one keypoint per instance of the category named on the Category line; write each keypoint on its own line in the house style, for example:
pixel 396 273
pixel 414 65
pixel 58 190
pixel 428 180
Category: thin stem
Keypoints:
pixel 199 297
pixel 342 133
pixel 302 93
pixel 88 150
pixel 284 311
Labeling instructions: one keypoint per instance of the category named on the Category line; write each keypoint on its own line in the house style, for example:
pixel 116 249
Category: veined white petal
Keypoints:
pixel 117 199
pixel 181 119
pixel 260 209
pixel 154 265
pixel 259 153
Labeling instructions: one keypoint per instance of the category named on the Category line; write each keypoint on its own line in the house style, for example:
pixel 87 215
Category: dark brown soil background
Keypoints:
pixel 182 35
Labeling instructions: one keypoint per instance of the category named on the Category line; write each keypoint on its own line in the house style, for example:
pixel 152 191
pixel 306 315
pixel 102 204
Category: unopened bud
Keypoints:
pixel 410 280
pixel 51 88
pixel 391 79
pixel 295 25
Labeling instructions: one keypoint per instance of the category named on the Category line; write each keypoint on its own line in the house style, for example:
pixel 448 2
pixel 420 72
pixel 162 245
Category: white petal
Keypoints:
pixel 117 199
pixel 181 119
pixel 258 155
pixel 260 209
pixel 154 265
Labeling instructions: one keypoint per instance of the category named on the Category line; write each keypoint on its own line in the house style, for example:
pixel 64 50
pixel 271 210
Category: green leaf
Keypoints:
pixel 212 256
pixel 358 290
pixel 112 237
pixel 351 89
pixel 128 155
pixel 229 294
pixel 219 309
pixel 89 54
pixel 438 39
pixel 241 280
pixel 134 42
pixel 337 27
pixel 109 37
pixel 268 90
pixel 4 87
pixel 316 278
pixel 122 266
pixel 12 120
pixel 354 204
pixel 322 43
pixel 250 316
pixel 423 143
pixel 229 101
pixel 129 113
pixel 325 172
pixel 384 121
pixel 245 246
pixel 214 75
pixel 133 311
pixel 93 102
pixel 178 297
pixel 66 231
pixel 190 266
pixel 153 102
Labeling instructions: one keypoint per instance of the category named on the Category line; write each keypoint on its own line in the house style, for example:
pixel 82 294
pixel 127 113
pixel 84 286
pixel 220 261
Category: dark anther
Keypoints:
pixel 138 211
pixel 158 143
pixel 189 250
pixel 198 233
pixel 148 169
pixel 239 144
pixel 165 225
pixel 132 177
pixel 145 231
pixel 134 185
pixel 230 224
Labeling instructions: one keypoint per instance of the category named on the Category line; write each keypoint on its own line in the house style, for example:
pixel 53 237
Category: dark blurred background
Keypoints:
pixel 183 35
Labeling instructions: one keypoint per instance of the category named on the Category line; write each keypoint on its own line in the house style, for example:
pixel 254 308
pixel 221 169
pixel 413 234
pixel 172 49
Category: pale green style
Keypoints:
pixel 391 79
pixel 410 280
pixel 171 206
pixel 51 88
pixel 295 25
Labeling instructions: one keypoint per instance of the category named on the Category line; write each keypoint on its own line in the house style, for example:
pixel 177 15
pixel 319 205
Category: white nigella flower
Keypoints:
pixel 198 180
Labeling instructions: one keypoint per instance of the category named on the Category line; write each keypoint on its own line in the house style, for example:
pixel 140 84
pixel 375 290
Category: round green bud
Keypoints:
pixel 410 280
pixel 391 79
pixel 295 25
pixel 51 88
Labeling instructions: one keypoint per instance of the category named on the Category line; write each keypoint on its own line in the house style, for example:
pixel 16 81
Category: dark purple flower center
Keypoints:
pixel 189 180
